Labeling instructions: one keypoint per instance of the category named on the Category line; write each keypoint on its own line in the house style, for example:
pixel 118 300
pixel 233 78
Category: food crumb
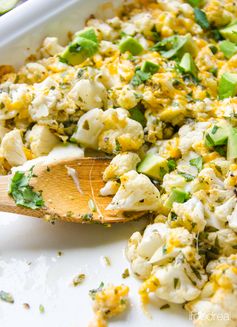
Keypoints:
pixel 78 279
pixel 41 308
pixel 165 306
pixel 26 306
pixel 125 274
pixel 106 260
pixel 108 301
pixel 6 297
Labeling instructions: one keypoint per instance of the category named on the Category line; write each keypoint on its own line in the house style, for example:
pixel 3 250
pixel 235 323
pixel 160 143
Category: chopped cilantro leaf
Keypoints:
pixel 137 114
pixel 171 164
pixel 201 18
pixel 188 177
pixel 23 193
pixel 140 77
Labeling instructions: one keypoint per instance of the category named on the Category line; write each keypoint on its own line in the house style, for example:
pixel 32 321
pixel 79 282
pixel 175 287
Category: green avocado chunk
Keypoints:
pixel 221 135
pixel 228 48
pixel 130 44
pixel 227 85
pixel 230 32
pixel 84 46
pixel 232 144
pixel 218 135
pixel 153 166
pixel 188 65
pixel 176 195
pixel 89 34
pixel 78 51
pixel 149 67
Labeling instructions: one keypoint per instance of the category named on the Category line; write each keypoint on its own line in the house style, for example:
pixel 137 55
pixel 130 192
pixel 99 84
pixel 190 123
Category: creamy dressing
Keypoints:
pixel 73 174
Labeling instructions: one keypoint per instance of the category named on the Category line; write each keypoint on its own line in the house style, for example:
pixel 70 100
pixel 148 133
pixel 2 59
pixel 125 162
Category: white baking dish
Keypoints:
pixel 30 268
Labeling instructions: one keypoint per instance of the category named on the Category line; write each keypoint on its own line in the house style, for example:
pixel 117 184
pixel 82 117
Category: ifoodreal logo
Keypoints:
pixel 209 316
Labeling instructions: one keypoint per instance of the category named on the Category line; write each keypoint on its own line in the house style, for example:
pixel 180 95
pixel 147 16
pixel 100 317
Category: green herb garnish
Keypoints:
pixel 140 77
pixel 201 18
pixel 137 114
pixel 170 46
pixel 78 279
pixel 125 274
pixel 171 164
pixel 23 193
pixel 188 177
pixel 93 292
pixel 6 297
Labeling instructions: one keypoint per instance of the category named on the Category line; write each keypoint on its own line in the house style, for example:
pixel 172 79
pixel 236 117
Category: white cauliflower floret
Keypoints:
pixel 175 285
pixel 191 214
pixel 220 12
pixel 190 135
pixel 33 72
pixel 133 242
pixel 51 47
pixel 121 164
pixel 88 94
pixel 12 148
pixel 110 188
pixel 42 140
pixel 224 240
pixel 107 48
pixel 89 127
pixel 219 295
pixel 126 98
pixel 120 132
pixel 173 180
pixel 154 237
pixel 168 256
pixel 232 219
pixel 177 240
pixel 3 131
pixel 46 96
pixel 208 176
pixel 143 22
pixel 140 267
pixel 136 193
pixel 224 210
pixel 205 314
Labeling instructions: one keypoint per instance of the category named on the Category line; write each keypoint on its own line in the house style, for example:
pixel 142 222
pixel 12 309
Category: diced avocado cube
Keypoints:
pixel 228 48
pixel 130 44
pixel 176 195
pixel 217 135
pixel 232 145
pixel 227 85
pixel 149 67
pixel 89 34
pixel 188 65
pixel 79 50
pixel 154 166
pixel 230 32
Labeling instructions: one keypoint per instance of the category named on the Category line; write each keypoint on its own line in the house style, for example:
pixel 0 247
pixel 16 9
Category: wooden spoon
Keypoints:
pixel 67 188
